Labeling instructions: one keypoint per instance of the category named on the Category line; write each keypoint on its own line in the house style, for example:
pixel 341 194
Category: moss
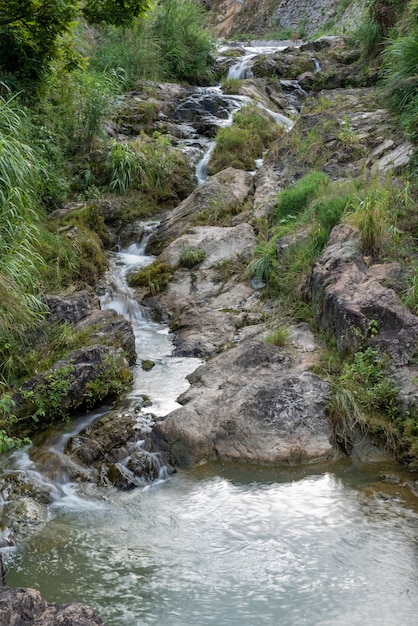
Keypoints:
pixel 153 278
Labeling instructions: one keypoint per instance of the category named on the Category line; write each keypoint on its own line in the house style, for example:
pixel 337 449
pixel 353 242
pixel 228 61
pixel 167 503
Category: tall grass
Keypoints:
pixel 401 70
pixel 20 260
pixel 291 202
pixel 186 46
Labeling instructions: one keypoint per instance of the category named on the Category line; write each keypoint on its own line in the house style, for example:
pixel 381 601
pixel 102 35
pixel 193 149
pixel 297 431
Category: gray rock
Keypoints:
pixel 26 607
pixel 226 190
pixel 251 404
pixel 69 308
pixel 350 301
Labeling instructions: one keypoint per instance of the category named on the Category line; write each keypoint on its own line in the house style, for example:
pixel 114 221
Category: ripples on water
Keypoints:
pixel 217 549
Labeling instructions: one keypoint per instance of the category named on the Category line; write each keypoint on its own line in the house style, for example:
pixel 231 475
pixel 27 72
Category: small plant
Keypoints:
pixel 371 217
pixel 279 337
pixel 112 377
pixel 154 278
pixel 190 257
pixel 231 85
pixel 123 166
pixel 46 400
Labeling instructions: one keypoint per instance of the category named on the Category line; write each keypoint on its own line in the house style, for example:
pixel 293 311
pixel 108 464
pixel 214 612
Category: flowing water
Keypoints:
pixel 221 544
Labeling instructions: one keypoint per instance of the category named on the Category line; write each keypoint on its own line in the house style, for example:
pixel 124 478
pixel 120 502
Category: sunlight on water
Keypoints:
pixel 217 550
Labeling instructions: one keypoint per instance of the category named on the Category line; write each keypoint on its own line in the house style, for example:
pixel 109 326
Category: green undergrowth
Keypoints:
pixel 241 143
pixel 153 278
pixel 364 399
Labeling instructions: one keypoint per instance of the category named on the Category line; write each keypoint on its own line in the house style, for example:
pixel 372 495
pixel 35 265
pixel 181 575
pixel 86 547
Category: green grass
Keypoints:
pixel 190 257
pixel 243 142
pixel 291 202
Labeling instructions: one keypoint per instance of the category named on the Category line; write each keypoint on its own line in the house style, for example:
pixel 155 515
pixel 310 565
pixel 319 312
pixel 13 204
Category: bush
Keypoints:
pixel 133 53
pixel 243 142
pixel 186 46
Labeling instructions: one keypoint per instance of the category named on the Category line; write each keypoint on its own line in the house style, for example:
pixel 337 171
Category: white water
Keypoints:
pixel 222 544
pixel 167 379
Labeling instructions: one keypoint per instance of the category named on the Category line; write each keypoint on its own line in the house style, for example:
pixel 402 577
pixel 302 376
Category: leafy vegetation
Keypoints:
pixel 243 142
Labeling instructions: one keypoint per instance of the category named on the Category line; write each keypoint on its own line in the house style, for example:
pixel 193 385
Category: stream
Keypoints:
pixel 223 543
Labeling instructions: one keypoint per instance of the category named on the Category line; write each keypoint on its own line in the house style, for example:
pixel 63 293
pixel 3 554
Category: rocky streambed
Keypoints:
pixel 246 400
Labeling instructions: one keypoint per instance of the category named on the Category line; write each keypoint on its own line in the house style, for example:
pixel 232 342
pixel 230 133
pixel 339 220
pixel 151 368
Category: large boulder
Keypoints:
pixel 225 191
pixel 252 403
pixel 354 303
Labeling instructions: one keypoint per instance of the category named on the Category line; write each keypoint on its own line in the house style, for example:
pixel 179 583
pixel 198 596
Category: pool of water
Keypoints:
pixel 233 545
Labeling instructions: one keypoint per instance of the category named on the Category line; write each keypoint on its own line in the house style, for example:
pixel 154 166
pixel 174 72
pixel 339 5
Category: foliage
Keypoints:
pixel 112 378
pixel 235 147
pixel 20 260
pixel 364 395
pixel 117 12
pixel 148 165
pixel 293 201
pixel 186 46
pixel 133 50
pixel 154 278
pixel 45 401
pixel 190 257
pixel 279 337
pixel 238 145
pixel 231 85
pixel 29 37
pixel 372 216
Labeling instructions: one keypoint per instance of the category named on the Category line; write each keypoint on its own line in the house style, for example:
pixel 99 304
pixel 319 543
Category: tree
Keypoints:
pixel 29 32
pixel 116 12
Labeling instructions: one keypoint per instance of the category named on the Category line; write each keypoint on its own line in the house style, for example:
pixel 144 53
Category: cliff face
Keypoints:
pixel 302 17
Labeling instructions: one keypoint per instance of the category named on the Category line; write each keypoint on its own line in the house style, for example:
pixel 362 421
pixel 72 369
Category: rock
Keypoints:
pixel 111 329
pixel 147 365
pixel 250 404
pixel 219 244
pixel 350 301
pixel 201 332
pixel 227 190
pixel 85 377
pixel 22 518
pixel 113 448
pixel 26 607
pixel 70 309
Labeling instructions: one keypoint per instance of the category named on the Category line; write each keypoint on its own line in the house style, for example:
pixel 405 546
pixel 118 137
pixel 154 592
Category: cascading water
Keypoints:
pixel 220 544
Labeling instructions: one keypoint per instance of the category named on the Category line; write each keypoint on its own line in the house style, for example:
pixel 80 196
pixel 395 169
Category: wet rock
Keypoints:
pixel 70 309
pixel 250 404
pixel 22 518
pixel 350 301
pixel 226 190
pixel 111 329
pixel 26 607
pixel 147 365
pixel 108 438
pixel 112 446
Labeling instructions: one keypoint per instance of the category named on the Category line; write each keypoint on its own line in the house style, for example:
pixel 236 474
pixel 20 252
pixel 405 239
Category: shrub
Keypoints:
pixel 238 145
pixel 279 337
pixel 186 47
pixel 235 147
pixel 371 217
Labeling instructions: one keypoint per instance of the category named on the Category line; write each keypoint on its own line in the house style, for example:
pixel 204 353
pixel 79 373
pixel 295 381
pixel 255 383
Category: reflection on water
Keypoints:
pixel 215 546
